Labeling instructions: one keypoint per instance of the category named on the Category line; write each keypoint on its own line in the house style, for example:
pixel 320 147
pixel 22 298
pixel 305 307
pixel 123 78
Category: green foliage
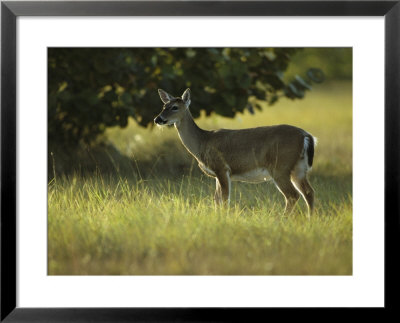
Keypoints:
pixel 91 89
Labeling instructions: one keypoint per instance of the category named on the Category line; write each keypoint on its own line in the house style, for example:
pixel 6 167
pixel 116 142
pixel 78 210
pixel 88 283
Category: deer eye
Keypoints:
pixel 174 108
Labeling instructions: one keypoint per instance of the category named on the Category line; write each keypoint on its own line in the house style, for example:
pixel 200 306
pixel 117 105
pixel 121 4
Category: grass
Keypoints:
pixel 157 217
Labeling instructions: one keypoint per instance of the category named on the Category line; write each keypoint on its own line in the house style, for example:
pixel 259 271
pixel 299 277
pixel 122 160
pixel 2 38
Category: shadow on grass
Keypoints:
pixel 107 160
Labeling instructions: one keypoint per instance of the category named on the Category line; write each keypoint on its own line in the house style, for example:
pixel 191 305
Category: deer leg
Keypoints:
pixel 218 193
pixel 288 190
pixel 224 181
pixel 303 185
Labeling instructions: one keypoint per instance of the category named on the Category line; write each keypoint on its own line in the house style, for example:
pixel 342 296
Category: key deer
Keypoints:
pixel 282 153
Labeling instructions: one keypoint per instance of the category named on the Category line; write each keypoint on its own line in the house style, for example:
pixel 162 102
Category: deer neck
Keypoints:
pixel 190 134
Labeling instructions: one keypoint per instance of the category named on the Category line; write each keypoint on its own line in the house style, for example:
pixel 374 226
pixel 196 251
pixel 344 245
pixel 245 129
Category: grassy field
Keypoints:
pixel 153 214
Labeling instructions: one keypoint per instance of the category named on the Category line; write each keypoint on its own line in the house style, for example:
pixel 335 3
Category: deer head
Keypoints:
pixel 174 108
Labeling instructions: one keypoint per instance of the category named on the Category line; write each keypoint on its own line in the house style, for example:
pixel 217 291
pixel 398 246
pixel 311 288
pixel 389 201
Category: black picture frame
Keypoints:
pixel 11 10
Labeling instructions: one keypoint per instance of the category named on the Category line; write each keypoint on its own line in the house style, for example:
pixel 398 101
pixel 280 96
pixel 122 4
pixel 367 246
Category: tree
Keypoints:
pixel 90 89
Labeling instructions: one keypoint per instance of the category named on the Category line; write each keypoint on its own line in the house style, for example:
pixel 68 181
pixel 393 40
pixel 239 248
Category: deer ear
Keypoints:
pixel 164 96
pixel 186 97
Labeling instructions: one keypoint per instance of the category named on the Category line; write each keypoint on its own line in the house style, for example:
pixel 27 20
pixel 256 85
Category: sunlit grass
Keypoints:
pixel 164 227
pixel 162 219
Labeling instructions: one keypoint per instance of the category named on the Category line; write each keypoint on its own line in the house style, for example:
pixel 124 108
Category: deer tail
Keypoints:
pixel 309 143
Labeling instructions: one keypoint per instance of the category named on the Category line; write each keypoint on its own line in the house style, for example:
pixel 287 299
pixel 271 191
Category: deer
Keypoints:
pixel 282 153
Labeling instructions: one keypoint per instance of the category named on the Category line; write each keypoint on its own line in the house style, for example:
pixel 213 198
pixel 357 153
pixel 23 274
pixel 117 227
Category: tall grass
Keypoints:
pixel 158 217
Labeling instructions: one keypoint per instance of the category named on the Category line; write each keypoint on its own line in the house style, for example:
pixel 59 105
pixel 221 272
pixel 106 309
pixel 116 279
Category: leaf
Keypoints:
pixel 241 102
pixel 301 84
pixel 273 99
pixel 229 99
pixel 213 51
pixel 293 92
pixel 123 121
pixel 126 98
pixel 316 75
pixel 101 65
pixel 269 54
pixel 258 107
pixel 250 108
pixel 259 94
pixel 190 53
pixel 224 71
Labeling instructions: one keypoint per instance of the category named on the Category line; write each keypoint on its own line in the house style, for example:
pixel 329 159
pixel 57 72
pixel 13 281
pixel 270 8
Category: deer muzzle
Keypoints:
pixel 159 120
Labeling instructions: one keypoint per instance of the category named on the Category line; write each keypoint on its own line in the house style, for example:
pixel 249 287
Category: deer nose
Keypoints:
pixel 159 120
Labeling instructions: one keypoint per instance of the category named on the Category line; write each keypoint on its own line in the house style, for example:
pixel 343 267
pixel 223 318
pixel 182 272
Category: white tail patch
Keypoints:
pixel 307 142
pixel 305 150
pixel 301 168
pixel 306 145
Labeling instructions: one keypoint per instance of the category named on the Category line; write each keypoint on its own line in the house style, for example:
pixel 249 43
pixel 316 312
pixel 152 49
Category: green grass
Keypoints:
pixel 157 217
